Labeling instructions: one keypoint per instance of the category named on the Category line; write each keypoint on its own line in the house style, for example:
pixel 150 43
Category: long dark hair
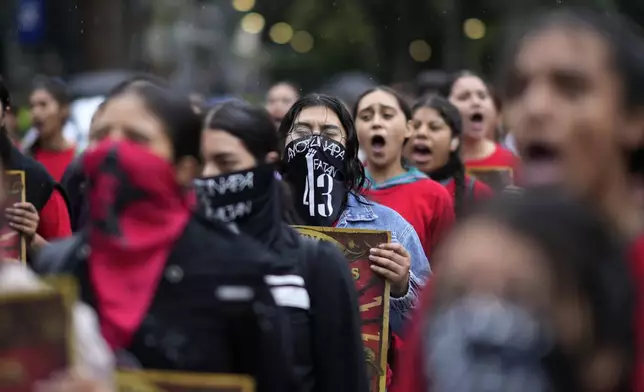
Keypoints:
pixel 354 171
pixel 454 167
pixel 256 130
pixel 5 142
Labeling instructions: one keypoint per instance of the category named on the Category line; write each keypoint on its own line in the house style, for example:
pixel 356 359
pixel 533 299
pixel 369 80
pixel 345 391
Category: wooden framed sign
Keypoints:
pixel 12 243
pixel 35 338
pixel 373 292
pixel 159 381
pixel 497 178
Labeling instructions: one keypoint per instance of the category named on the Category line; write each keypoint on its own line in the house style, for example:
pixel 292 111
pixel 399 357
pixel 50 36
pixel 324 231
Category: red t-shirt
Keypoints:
pixel 424 203
pixel 637 265
pixel 55 161
pixel 501 161
pixel 474 188
pixel 54 218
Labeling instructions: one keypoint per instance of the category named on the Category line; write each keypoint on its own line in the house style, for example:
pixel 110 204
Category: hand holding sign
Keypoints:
pixel 392 262
pixel 24 218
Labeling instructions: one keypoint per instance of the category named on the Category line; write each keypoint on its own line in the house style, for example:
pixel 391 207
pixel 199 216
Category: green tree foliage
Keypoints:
pixel 373 36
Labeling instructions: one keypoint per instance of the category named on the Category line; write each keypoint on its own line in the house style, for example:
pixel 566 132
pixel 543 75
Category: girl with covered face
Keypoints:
pixel 434 149
pixel 320 163
pixel 241 151
pixel 382 120
pixel 532 293
pixel 155 269
pixel 495 165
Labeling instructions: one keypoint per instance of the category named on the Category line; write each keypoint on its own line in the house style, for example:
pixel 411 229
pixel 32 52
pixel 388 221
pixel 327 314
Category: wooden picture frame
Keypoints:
pixel 162 381
pixel 373 292
pixel 496 177
pixel 35 337
pixel 13 243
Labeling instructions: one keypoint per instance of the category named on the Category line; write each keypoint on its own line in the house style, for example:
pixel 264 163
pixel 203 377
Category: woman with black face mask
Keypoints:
pixel 321 165
pixel 312 283
pixel 172 292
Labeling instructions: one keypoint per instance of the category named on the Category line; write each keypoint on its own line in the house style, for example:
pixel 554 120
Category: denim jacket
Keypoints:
pixel 374 216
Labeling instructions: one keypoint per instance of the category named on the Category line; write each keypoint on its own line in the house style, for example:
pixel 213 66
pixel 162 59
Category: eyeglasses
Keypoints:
pixel 303 131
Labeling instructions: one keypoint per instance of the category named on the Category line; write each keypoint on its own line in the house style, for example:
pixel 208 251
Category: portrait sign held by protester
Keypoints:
pixel 12 242
pixel 497 178
pixel 156 381
pixel 373 292
pixel 36 339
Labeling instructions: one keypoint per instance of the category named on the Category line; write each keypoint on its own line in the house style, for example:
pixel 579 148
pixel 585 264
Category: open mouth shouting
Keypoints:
pixel 477 122
pixel 542 163
pixel 277 120
pixel 421 153
pixel 378 143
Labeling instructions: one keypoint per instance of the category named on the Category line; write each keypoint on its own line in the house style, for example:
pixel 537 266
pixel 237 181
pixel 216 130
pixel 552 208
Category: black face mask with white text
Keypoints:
pixel 245 198
pixel 315 170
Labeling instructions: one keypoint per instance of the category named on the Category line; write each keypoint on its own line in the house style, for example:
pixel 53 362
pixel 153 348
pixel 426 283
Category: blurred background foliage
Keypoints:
pixel 238 47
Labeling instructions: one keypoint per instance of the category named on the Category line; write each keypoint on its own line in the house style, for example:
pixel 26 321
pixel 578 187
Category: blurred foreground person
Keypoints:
pixel 434 148
pixel 532 293
pixel 574 96
pixel 151 269
pixel 94 363
pixel 44 216
pixel 240 147
pixel 74 180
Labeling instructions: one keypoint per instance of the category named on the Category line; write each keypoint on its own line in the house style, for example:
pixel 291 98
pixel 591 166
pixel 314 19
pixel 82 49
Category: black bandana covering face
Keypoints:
pixel 315 167
pixel 235 197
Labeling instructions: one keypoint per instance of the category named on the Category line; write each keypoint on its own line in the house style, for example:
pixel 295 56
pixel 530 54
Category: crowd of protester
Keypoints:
pixel 515 212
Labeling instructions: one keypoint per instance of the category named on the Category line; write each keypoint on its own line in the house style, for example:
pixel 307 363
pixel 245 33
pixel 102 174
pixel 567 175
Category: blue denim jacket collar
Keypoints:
pixel 358 209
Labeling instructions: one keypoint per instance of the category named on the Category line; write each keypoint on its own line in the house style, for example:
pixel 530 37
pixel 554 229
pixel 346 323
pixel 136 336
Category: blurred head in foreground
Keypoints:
pixel 531 293
pixel 573 93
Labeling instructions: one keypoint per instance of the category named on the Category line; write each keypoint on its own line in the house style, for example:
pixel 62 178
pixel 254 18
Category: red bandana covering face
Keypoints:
pixel 137 212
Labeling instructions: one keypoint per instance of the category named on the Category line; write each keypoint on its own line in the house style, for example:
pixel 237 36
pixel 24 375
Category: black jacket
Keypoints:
pixel 328 348
pixel 189 327
pixel 74 182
